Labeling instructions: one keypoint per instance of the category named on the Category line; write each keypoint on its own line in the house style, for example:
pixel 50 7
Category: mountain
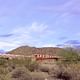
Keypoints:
pixel 26 50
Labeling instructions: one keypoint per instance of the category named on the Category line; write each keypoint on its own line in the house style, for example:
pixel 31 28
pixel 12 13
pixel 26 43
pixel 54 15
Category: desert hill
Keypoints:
pixel 26 50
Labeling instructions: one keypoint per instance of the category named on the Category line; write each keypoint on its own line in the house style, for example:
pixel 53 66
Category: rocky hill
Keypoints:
pixel 26 50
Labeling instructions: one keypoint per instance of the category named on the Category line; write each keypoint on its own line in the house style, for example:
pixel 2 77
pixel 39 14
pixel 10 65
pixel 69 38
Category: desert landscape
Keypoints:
pixel 39 39
pixel 30 63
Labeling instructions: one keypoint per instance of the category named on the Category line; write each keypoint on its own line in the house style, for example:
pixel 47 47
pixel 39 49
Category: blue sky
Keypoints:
pixel 40 23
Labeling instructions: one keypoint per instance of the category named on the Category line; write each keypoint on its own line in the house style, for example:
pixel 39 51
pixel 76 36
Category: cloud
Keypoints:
pixel 30 33
pixel 49 45
pixel 6 35
pixel 27 35
pixel 70 43
pixel 74 42
pixel 69 6
pixel 7 45
pixel 62 38
pixel 34 28
pixel 39 28
pixel 60 45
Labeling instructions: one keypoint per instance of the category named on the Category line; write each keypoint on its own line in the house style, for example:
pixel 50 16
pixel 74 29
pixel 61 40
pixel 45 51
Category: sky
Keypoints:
pixel 39 23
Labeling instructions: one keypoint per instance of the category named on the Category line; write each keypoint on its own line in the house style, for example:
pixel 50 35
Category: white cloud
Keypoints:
pixel 27 35
pixel 34 28
pixel 70 6
pixel 49 45
pixel 39 28
pixel 7 46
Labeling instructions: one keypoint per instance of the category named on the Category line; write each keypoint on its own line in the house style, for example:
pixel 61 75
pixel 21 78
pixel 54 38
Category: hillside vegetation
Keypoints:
pixel 26 69
pixel 26 50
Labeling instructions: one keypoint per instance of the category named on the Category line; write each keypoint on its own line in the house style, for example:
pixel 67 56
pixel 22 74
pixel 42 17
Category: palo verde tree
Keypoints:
pixel 70 55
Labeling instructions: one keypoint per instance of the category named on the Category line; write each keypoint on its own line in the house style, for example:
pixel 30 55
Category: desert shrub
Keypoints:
pixel 2 77
pixel 19 74
pixel 68 72
pixel 3 71
pixel 10 68
pixel 31 65
pixel 74 70
pixel 59 73
pixel 64 76
pixel 27 62
pixel 17 62
pixel 3 61
pixel 44 69
pixel 39 75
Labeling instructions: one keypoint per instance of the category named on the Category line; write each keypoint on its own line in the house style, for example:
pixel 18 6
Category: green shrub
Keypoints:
pixel 31 65
pixel 70 55
pixel 3 61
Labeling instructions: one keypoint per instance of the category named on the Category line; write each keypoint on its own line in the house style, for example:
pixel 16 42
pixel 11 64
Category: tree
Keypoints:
pixel 70 55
